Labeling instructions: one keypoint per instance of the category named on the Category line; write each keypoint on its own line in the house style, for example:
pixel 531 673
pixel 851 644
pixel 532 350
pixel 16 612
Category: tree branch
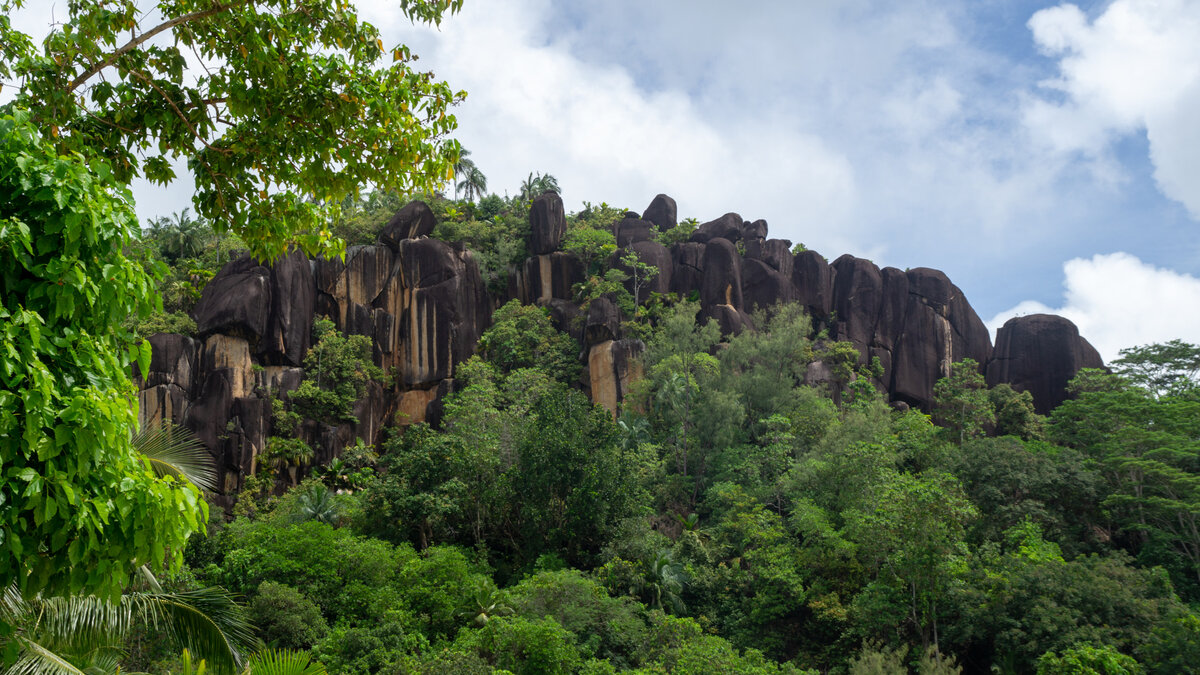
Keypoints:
pixel 183 118
pixel 139 39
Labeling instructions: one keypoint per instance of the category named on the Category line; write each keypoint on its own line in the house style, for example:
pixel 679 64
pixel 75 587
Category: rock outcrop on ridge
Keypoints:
pixel 424 304
pixel 1040 353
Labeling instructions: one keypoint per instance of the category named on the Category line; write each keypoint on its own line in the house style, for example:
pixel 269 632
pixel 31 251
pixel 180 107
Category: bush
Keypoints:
pixel 348 577
pixel 1088 660
pixel 372 648
pixel 285 618
pixel 526 646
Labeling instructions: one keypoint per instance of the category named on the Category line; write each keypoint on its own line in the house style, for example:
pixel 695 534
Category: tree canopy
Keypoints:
pixel 79 509
pixel 280 108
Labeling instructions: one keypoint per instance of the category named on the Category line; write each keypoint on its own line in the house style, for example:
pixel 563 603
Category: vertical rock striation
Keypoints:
pixel 423 304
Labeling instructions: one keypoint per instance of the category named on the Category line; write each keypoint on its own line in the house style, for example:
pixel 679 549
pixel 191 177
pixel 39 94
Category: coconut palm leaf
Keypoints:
pixel 207 621
pixel 283 662
pixel 84 634
pixel 318 503
pixel 12 605
pixel 37 660
pixel 175 451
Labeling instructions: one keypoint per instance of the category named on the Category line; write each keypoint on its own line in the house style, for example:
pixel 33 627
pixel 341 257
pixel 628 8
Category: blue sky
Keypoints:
pixel 1045 156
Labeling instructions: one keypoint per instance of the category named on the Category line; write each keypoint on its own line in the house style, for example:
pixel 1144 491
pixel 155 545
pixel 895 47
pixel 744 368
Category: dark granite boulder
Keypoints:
pixel 857 294
pixel 775 252
pixel 603 322
pixel 172 361
pixel 687 268
pixel 649 253
pixel 754 231
pixel 414 220
pixel 237 301
pixel 893 308
pixel 728 227
pixel 1040 353
pixel 209 412
pixel 435 410
pixel 729 320
pixel 359 279
pixel 440 307
pixel 547 224
pixel 813 278
pixel 763 286
pixel 293 300
pixel 161 404
pixel 426 262
pixel 270 306
pixel 933 289
pixel 922 327
pixel 661 212
pixel 613 365
pixel 546 277
pixel 722 284
pixel 631 230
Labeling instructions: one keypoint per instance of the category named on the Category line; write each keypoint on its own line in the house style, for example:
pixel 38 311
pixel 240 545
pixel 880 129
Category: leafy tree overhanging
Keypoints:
pixel 296 105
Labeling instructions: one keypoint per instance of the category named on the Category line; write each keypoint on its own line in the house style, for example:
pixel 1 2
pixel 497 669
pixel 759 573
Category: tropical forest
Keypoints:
pixel 350 409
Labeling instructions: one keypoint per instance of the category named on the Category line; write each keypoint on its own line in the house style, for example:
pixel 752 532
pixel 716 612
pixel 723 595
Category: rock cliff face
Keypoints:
pixel 424 305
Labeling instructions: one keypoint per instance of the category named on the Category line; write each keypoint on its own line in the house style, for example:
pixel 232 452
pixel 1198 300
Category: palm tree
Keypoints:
pixel 156 227
pixel 181 236
pixel 264 662
pixel 287 454
pixel 175 451
pixel 535 185
pixel 486 604
pixel 86 634
pixel 318 503
pixel 473 185
pixel 463 167
pixel 666 583
pixel 283 662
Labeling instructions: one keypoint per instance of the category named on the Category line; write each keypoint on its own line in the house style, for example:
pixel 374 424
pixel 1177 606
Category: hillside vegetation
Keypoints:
pixel 731 518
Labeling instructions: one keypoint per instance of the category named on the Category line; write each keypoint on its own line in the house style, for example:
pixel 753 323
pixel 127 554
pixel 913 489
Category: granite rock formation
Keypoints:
pixel 661 212
pixel 547 224
pixel 728 227
pixel 1040 353
pixel 423 304
pixel 416 219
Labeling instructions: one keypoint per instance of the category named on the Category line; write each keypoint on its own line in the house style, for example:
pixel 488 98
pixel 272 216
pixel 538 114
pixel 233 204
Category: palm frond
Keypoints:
pixel 175 451
pixel 78 625
pixel 206 621
pixel 12 605
pixel 38 660
pixel 283 662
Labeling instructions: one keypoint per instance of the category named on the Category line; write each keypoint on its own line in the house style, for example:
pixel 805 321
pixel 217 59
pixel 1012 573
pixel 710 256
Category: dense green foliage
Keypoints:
pixel 732 518
pixel 79 509
pixel 295 105
pixel 337 370
pixel 735 519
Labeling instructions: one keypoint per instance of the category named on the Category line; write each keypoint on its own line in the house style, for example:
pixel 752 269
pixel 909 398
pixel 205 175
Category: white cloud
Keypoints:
pixel 861 127
pixel 1134 67
pixel 1118 301
pixel 533 105
pixel 909 133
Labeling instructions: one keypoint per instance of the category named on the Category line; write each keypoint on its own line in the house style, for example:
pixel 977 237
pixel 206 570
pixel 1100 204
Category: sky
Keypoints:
pixel 1045 156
